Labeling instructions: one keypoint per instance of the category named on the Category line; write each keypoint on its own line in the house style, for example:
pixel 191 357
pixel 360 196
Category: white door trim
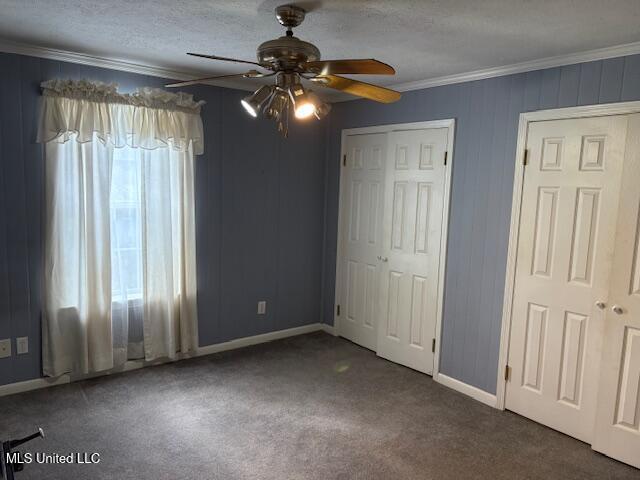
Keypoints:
pixel 621 108
pixel 447 123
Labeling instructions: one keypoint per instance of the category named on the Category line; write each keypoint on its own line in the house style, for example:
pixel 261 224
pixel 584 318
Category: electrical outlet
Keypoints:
pixel 5 348
pixel 22 345
pixel 262 307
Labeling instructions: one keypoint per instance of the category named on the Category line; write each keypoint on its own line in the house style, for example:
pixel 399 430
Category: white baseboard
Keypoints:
pixel 473 392
pixel 256 339
pixel 38 383
pixel 330 329
pixel 34 384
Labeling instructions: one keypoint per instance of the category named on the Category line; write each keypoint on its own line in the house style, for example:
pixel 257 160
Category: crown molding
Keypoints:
pixel 157 71
pixel 111 63
pixel 540 64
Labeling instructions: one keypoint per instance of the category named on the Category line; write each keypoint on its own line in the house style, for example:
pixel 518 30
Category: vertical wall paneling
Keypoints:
pixel 631 78
pixel 15 227
pixel 33 180
pixel 496 179
pixel 611 80
pixel 6 364
pixel 590 77
pixel 549 88
pixel 569 86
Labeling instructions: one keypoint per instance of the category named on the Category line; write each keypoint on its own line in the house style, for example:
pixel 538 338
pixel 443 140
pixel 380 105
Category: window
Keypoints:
pixel 120 274
pixel 126 238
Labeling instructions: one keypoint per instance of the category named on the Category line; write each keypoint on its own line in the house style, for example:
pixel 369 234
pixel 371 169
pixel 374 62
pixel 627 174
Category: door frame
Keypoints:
pixel 445 123
pixel 603 110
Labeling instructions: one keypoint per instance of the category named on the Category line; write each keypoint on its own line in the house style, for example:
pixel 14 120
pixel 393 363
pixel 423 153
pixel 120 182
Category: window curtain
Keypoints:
pixel 116 290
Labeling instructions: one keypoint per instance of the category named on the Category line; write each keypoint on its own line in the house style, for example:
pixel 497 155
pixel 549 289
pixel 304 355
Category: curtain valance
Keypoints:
pixel 149 118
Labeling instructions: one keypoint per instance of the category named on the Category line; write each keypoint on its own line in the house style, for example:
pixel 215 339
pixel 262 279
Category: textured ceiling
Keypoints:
pixel 421 39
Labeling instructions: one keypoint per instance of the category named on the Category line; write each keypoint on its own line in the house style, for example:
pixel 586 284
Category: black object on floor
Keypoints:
pixel 8 465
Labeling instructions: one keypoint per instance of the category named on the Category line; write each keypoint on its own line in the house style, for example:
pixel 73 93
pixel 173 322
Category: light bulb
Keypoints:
pixel 248 107
pixel 305 110
pixel 253 102
pixel 304 103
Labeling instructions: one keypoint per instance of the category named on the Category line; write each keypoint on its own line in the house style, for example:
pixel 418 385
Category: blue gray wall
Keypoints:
pixel 259 210
pixel 486 113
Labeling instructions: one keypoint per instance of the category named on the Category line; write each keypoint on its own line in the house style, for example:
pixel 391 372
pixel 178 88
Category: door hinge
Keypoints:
pixel 344 160
pixel 525 158
pixel 338 310
pixel 433 345
pixel 446 154
pixel 507 373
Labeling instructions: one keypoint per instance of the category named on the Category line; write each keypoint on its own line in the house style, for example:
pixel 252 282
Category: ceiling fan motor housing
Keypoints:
pixel 287 53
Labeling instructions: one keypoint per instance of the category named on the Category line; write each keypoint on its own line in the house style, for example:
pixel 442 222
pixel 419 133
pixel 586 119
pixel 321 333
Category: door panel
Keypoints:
pixel 361 238
pixel 563 265
pixel 617 432
pixel 413 221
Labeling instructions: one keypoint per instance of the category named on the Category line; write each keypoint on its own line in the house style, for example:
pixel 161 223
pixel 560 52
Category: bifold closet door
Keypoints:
pixel 617 431
pixel 360 240
pixel 563 270
pixel 410 260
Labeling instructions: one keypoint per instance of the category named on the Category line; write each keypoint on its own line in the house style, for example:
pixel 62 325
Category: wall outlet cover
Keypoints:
pixel 5 348
pixel 22 345
pixel 262 307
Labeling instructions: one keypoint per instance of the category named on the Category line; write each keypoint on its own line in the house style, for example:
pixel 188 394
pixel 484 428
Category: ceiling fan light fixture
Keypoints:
pixel 305 110
pixel 322 110
pixel 304 103
pixel 276 106
pixel 253 102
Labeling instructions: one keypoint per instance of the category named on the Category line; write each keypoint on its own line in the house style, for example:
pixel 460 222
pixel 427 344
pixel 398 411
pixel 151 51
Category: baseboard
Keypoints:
pixel 34 384
pixel 474 392
pixel 256 339
pixel 37 383
pixel 330 329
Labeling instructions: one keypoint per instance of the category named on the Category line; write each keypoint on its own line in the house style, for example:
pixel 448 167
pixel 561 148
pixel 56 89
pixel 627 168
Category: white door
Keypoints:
pixel 410 260
pixel 566 242
pixel 617 431
pixel 360 242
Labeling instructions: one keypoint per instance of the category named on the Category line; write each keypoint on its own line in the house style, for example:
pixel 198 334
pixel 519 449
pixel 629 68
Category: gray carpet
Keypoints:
pixel 309 407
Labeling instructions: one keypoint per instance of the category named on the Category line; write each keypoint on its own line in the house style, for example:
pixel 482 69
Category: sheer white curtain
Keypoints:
pixel 168 253
pixel 120 279
pixel 77 333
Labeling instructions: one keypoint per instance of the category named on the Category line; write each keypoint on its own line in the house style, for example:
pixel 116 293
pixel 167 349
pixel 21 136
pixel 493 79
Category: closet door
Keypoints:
pixel 563 263
pixel 617 432
pixel 410 261
pixel 360 243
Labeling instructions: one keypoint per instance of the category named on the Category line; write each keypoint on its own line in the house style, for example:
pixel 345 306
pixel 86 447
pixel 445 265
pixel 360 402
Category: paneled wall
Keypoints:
pixel 259 211
pixel 486 113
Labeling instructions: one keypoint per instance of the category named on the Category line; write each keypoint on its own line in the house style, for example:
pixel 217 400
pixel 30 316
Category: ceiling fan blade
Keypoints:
pixel 195 81
pixel 360 89
pixel 225 59
pixel 366 66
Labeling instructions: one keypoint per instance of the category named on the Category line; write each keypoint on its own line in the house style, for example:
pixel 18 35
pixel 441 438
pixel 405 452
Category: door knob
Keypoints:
pixel 601 305
pixel 617 309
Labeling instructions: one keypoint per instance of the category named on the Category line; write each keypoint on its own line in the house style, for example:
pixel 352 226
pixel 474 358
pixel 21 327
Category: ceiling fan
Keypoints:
pixel 291 60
